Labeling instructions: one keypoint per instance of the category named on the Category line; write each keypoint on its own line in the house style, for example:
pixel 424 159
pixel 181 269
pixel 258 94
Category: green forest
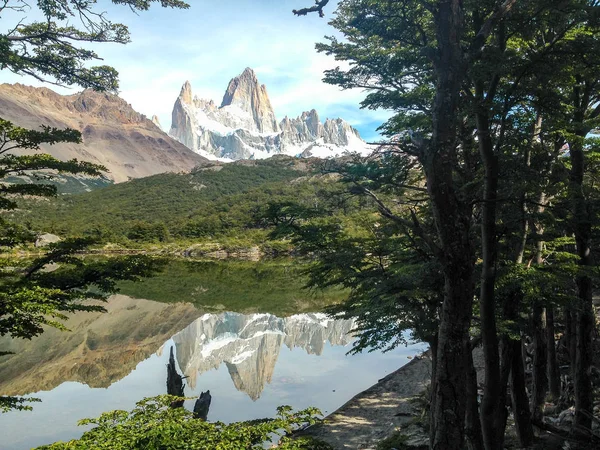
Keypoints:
pixel 210 203
pixel 473 225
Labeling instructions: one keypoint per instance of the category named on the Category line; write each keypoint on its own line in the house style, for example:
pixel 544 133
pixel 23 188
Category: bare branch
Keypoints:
pixel 319 5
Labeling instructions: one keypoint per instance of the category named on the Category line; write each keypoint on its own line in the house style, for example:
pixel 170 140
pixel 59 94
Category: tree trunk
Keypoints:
pixel 175 384
pixel 473 434
pixel 539 381
pixel 553 370
pixel 491 407
pixel 452 219
pixel 452 366
pixel 511 361
pixel 518 391
pixel 584 395
pixel 506 352
pixel 570 338
pixel 433 345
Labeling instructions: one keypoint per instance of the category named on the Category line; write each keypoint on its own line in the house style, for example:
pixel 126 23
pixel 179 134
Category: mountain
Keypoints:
pixel 114 135
pixel 249 345
pixel 244 126
pixel 245 93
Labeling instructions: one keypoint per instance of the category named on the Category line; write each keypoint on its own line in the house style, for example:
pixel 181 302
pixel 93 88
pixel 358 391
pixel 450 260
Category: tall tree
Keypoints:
pixel 570 99
pixel 452 70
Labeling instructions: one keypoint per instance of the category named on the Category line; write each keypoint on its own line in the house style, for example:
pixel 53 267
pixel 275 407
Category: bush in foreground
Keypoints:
pixel 154 425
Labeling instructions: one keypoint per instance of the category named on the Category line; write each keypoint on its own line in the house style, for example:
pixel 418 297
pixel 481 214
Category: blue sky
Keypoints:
pixel 214 41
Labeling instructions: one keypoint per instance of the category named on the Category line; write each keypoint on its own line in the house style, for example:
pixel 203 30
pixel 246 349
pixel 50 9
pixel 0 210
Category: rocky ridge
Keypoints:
pixel 126 142
pixel 245 126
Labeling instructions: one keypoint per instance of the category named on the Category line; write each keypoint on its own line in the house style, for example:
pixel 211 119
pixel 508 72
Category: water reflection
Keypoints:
pixel 99 349
pixel 250 363
pixel 249 345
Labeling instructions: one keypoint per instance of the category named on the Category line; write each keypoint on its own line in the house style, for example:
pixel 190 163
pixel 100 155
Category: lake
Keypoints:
pixel 247 332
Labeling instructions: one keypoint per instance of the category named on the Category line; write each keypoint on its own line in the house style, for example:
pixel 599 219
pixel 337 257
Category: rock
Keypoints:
pixel 245 126
pixel 47 238
pixel 246 93
pixel 156 122
pixel 114 135
pixel 251 344
pixel 186 93
pixel 566 417
pixel 416 437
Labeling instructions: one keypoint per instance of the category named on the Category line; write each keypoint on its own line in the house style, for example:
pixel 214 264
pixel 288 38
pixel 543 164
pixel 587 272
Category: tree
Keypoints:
pixel 421 72
pixel 154 424
pixel 48 49
pixel 380 253
pixel 458 75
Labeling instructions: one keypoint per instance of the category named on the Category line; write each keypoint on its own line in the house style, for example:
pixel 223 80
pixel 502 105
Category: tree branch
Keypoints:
pixel 412 224
pixel 319 5
pixel 488 26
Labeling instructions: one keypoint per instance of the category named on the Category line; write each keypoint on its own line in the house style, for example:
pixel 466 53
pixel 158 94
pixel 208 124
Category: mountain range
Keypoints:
pixel 99 349
pixel 245 126
pixel 127 143
pixel 103 348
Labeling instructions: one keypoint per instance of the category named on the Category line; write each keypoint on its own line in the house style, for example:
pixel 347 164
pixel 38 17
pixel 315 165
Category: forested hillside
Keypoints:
pixel 210 202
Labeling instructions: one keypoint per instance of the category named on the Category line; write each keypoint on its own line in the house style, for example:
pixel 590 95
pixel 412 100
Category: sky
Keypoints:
pixel 214 41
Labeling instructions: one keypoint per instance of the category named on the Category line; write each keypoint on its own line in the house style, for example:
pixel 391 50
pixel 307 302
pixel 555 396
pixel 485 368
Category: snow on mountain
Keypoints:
pixel 244 126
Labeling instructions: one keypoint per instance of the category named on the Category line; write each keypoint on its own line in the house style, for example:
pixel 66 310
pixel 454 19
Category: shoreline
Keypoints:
pixel 377 412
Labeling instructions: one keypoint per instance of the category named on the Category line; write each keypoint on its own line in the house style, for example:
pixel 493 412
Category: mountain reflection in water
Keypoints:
pixel 250 363
pixel 249 345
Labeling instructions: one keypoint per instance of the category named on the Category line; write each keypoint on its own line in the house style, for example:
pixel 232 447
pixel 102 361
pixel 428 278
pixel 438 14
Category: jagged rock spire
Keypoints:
pixel 244 126
pixel 156 122
pixel 245 92
pixel 186 93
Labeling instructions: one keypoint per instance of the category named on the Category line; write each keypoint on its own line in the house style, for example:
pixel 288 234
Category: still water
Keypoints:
pixel 251 363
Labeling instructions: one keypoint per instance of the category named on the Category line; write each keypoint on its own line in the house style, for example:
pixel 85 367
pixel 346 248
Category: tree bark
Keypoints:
pixel 553 370
pixel 584 395
pixel 512 367
pixel 539 382
pixel 433 345
pixel 473 434
pixel 520 403
pixel 584 311
pixel 452 219
pixel 491 407
pixel 175 384
pixel 570 336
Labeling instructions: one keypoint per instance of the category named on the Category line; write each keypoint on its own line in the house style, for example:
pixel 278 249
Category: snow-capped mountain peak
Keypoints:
pixel 245 126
